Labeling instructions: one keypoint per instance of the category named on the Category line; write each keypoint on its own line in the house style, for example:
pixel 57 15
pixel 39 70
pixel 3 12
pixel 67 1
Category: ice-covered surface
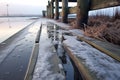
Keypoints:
pixel 70 37
pixel 10 26
pixel 77 31
pixel 19 41
pixel 62 25
pixel 15 53
pixel 42 69
pixel 98 63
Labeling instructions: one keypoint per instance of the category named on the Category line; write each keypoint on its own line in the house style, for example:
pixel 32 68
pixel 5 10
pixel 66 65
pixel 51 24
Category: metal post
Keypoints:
pixel 64 11
pixel 82 13
pixel 56 9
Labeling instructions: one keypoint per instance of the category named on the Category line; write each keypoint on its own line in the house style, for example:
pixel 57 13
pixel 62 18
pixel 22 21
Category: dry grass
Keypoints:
pixel 105 28
pixel 101 27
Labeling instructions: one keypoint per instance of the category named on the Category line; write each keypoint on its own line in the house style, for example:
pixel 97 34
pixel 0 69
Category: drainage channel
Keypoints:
pixel 68 65
pixel 33 58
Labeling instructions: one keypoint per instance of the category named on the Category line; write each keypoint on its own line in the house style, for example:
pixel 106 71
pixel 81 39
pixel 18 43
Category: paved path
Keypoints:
pixel 16 52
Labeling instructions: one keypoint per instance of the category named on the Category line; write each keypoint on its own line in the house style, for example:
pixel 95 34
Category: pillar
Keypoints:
pixel 43 13
pixel 64 11
pixel 52 9
pixel 56 9
pixel 82 13
pixel 47 11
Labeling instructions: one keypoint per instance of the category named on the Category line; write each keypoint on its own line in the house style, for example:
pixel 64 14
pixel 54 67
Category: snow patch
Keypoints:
pixel 77 31
pixel 42 71
pixel 100 64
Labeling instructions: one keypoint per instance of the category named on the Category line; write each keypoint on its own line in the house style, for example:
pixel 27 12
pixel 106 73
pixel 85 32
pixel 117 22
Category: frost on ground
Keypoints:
pixel 17 42
pixel 77 31
pixel 98 63
pixel 42 69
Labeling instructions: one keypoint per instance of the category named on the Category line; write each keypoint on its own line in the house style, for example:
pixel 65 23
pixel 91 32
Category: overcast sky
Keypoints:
pixel 22 6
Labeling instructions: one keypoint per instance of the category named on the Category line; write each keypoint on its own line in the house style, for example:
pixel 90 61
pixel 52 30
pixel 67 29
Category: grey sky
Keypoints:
pixel 22 6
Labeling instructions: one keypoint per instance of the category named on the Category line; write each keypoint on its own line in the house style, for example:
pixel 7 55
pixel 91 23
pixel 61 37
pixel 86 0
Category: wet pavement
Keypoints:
pixel 15 53
pixel 10 26
pixel 48 65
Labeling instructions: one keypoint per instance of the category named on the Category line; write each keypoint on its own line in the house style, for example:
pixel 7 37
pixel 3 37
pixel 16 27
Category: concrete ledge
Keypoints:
pixel 33 58
pixel 32 63
pixel 38 35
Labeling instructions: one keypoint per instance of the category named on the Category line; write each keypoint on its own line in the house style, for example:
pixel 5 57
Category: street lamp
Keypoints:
pixel 8 16
pixel 7 10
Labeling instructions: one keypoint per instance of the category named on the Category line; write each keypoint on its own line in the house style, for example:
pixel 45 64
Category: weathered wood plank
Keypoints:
pixel 84 73
pixel 97 4
pixel 72 10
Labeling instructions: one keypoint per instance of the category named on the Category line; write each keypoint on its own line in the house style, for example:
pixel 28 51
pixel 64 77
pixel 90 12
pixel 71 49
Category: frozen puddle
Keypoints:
pixel 44 69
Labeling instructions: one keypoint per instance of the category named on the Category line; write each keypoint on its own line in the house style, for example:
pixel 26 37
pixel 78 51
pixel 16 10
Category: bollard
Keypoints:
pixel 43 13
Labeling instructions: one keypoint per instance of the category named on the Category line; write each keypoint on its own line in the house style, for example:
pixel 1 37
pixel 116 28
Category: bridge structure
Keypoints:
pixel 81 9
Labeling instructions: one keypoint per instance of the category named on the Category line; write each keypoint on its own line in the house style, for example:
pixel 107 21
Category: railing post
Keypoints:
pixel 52 9
pixel 64 11
pixel 82 13
pixel 56 9
pixel 44 13
pixel 47 11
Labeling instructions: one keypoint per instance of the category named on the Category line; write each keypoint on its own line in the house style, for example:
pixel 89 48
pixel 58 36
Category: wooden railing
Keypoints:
pixel 81 9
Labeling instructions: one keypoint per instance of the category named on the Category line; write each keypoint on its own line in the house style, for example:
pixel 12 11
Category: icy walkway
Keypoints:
pixel 15 53
pixel 47 63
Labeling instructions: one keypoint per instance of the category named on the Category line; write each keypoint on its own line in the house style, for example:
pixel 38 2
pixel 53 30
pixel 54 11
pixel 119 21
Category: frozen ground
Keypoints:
pixel 42 69
pixel 10 26
pixel 16 51
pixel 98 63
